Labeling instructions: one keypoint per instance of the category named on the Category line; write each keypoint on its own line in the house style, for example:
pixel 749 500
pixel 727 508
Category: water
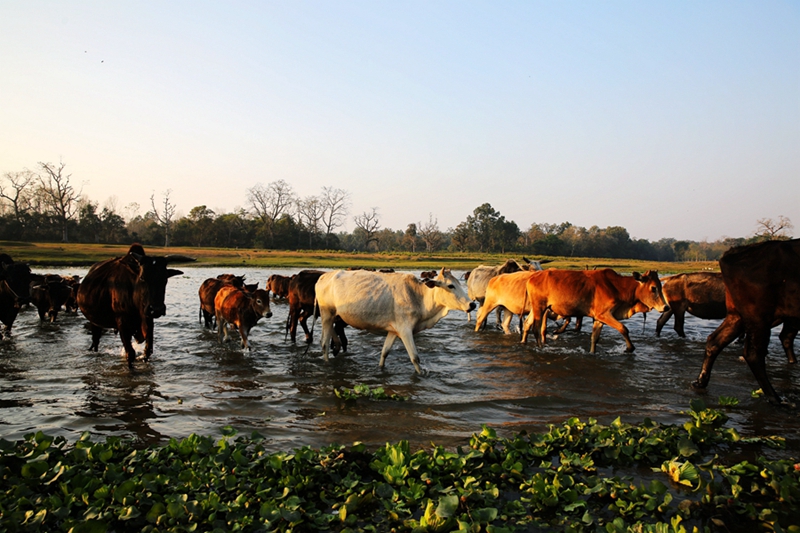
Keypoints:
pixel 49 380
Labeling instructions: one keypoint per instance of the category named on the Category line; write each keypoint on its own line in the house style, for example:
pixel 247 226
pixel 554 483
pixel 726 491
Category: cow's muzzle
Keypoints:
pixel 156 311
pixel 472 307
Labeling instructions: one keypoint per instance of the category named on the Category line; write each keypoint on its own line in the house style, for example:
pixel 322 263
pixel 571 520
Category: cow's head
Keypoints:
pixel 449 293
pixel 259 301
pixel 151 282
pixel 18 278
pixel 649 291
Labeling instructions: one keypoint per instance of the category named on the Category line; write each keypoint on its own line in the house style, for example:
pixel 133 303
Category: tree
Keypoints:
pixel 163 217
pixel 59 195
pixel 335 203
pixel 17 191
pixel 369 223
pixel 430 234
pixel 310 211
pixel 773 230
pixel 271 202
pixel 410 237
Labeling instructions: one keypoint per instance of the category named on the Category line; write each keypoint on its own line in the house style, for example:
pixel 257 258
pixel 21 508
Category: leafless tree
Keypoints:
pixel 335 203
pixel 58 194
pixel 309 212
pixel 369 223
pixel 773 230
pixel 163 216
pixel 430 234
pixel 17 189
pixel 270 202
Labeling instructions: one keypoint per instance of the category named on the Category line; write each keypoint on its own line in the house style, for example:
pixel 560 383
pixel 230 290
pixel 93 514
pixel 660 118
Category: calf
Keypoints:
pixel 279 285
pixel 241 309
pixel 701 294
pixel 208 291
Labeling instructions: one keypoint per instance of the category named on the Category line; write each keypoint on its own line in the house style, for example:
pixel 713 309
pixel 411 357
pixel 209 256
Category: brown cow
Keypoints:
pixel 302 297
pixel 48 295
pixel 127 293
pixel 701 294
pixel 604 295
pixel 478 279
pixel 15 282
pixel 762 288
pixel 208 291
pixel 508 291
pixel 279 285
pixel 240 309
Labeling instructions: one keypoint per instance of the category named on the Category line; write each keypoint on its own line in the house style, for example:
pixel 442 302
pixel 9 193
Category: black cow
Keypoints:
pixel 49 295
pixel 127 293
pixel 15 281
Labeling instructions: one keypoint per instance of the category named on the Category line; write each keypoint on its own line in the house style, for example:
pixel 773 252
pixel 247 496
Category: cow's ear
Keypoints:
pixel 430 283
pixel 637 276
pixel 172 272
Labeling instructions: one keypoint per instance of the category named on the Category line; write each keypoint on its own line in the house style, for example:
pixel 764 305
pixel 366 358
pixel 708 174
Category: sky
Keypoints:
pixel 672 119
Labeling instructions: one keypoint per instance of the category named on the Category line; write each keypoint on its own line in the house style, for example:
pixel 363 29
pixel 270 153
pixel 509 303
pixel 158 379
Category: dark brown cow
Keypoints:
pixel 762 288
pixel 74 282
pixel 279 285
pixel 49 295
pixel 127 293
pixel 208 291
pixel 15 283
pixel 701 294
pixel 604 295
pixel 241 309
pixel 302 297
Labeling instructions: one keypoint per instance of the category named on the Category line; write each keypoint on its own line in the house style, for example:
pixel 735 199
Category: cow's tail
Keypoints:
pixel 314 313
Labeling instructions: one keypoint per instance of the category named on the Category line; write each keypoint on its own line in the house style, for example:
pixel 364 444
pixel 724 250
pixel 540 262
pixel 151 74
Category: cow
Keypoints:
pixel 74 282
pixel 762 287
pixel 604 295
pixel 127 293
pixel 208 291
pixel 507 291
pixel 241 309
pixel 701 294
pixel 302 296
pixel 478 279
pixel 279 285
pixel 398 304
pixel 49 295
pixel 15 280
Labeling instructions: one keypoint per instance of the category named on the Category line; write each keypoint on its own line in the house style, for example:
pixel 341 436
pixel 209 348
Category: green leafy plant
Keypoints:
pixel 363 391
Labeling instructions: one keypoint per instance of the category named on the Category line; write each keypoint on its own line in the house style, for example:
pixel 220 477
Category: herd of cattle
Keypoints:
pixel 758 288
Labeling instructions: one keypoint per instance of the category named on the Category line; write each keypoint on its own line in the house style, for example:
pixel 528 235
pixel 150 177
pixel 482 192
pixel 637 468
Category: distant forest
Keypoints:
pixel 43 205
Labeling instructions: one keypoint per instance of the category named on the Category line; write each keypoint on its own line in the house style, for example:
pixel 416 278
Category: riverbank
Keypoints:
pixel 76 254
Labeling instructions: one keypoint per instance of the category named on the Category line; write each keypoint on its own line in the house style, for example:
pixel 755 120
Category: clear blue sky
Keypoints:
pixel 671 119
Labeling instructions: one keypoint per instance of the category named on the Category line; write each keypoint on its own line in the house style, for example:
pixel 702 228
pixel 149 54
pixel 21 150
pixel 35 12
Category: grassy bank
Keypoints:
pixel 59 254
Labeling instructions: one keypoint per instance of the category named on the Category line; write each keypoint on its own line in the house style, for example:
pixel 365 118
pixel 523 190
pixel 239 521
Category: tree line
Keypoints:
pixel 44 205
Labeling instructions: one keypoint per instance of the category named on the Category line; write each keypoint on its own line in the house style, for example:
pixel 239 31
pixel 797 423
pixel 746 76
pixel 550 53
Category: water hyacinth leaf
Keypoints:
pixel 128 513
pixel 34 469
pixel 447 506
pixel 158 509
pixel 687 448
pixel 487 514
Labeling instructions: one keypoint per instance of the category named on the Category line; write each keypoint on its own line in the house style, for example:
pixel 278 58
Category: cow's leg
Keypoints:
pixel 528 325
pixel 731 328
pixel 338 328
pixel 304 324
pixel 608 319
pixel 756 345
pixel 483 313
pixel 499 313
pixel 506 325
pixel 244 332
pixel 680 320
pixel 222 328
pixel 665 316
pixel 327 317
pixel 578 323
pixel 411 347
pixel 787 336
pixel 97 332
pixel 148 338
pixel 387 345
pixel 125 335
pixel 597 327
pixel 561 329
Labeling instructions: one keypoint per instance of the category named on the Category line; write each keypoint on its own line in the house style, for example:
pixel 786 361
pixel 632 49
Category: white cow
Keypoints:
pixel 398 304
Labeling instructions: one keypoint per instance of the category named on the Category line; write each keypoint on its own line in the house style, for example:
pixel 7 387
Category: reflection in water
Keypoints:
pixel 194 384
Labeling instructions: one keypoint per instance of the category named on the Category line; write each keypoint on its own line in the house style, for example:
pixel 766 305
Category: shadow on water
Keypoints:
pixel 49 381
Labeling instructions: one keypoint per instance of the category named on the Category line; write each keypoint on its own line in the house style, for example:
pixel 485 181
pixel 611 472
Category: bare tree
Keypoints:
pixel 18 191
pixel 430 234
pixel 369 223
pixel 59 196
pixel 164 216
pixel 335 203
pixel 773 230
pixel 270 202
pixel 309 212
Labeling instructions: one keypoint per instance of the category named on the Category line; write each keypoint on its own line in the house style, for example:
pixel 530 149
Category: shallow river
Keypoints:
pixel 49 380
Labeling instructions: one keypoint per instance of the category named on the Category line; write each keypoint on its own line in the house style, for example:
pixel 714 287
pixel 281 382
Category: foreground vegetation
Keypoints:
pixel 579 476
pixel 60 254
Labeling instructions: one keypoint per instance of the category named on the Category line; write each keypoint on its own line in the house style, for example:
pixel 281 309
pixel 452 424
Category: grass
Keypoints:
pixel 76 254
